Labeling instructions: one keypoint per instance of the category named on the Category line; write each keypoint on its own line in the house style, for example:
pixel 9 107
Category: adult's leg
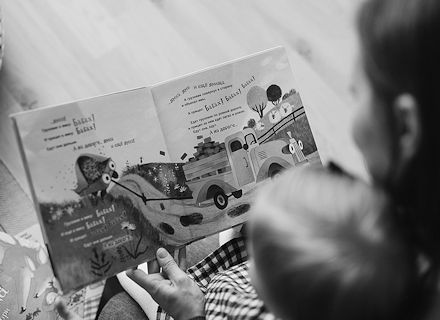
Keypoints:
pixel 139 294
pixel 230 234
pixel 122 306
pixel 133 303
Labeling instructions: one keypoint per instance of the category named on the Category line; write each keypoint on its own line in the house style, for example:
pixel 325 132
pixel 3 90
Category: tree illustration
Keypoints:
pixel 274 94
pixel 134 251
pixel 257 100
pixel 100 264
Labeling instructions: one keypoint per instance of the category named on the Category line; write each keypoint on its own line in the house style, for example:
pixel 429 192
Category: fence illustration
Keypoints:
pixel 280 125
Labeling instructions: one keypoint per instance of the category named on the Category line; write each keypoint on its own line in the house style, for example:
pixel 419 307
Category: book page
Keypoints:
pixel 28 288
pixel 231 127
pixel 84 161
pixel 257 92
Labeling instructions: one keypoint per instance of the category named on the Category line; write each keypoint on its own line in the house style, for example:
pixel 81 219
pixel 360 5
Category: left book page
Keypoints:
pixel 79 158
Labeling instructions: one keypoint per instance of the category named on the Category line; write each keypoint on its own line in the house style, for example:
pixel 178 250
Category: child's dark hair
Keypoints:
pixel 326 246
pixel 401 54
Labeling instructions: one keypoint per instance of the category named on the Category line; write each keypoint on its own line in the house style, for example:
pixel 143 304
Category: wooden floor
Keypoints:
pixel 62 50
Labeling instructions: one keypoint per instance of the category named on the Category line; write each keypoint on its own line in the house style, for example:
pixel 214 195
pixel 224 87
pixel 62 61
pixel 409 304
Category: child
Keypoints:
pixel 325 246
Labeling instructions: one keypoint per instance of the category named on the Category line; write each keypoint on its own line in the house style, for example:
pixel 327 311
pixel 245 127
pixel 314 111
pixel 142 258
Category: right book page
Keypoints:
pixel 232 126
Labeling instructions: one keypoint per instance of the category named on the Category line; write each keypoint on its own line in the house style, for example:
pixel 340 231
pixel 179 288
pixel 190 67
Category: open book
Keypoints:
pixel 116 176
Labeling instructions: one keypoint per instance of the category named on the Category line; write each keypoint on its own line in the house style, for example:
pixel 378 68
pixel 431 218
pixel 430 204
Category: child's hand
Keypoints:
pixel 172 289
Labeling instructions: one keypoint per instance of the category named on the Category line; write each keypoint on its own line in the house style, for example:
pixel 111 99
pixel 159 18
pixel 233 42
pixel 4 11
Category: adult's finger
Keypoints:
pixel 169 266
pixel 181 258
pixel 153 266
pixel 149 282
pixel 134 268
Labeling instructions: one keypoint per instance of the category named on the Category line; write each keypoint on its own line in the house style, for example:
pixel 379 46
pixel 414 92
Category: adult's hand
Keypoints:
pixel 172 289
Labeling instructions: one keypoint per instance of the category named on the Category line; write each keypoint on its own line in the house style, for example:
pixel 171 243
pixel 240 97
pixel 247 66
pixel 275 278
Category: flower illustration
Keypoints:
pixel 59 213
pixel 259 126
pixel 70 210
pixel 128 226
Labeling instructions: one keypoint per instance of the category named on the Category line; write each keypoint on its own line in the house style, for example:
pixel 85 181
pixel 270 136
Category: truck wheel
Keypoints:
pixel 220 200
pixel 191 219
pixel 237 194
pixel 165 227
pixel 292 148
pixel 274 170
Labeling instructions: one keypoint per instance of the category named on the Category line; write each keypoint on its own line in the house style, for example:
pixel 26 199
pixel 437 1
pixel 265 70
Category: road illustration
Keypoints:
pixel 168 216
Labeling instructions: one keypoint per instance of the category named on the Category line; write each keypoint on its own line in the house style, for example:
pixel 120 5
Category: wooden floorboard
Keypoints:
pixel 16 209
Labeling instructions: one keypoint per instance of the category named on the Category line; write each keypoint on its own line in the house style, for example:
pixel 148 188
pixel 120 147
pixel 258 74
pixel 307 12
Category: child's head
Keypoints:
pixel 396 123
pixel 324 247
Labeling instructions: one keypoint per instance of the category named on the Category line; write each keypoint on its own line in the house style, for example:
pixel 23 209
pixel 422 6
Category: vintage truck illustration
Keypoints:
pixel 242 162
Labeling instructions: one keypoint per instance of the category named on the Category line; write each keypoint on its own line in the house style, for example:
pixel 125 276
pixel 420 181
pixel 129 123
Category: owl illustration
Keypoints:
pixel 94 174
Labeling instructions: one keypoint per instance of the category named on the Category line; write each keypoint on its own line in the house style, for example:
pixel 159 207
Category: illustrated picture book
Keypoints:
pixel 28 289
pixel 114 177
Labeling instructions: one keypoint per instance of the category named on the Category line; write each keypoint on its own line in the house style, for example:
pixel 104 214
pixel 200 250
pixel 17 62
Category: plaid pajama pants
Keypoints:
pixel 223 278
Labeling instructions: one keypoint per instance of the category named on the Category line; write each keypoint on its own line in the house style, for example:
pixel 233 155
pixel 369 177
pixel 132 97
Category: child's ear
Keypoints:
pixel 406 111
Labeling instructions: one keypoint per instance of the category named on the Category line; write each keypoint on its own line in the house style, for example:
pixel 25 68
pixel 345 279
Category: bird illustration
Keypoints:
pixel 94 174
